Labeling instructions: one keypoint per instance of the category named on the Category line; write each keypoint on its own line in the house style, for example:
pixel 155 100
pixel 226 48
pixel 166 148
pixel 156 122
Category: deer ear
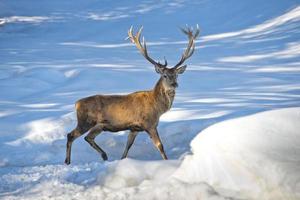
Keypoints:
pixel 159 69
pixel 180 69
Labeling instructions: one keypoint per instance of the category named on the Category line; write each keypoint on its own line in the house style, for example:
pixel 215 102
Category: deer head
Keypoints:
pixel 168 75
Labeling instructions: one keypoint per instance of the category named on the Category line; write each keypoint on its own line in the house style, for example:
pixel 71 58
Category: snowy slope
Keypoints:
pixel 53 53
pixel 257 156
pixel 253 157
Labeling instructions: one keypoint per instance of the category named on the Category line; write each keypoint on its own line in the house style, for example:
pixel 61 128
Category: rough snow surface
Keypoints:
pixel 253 157
pixel 126 179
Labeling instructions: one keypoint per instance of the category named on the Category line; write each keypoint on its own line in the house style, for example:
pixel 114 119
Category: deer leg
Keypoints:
pixel 71 137
pixel 130 141
pixel 90 138
pixel 156 141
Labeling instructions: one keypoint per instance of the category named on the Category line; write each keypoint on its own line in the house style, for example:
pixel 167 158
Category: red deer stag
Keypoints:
pixel 138 111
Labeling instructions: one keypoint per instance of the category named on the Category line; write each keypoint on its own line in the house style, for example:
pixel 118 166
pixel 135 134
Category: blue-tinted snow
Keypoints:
pixel 53 53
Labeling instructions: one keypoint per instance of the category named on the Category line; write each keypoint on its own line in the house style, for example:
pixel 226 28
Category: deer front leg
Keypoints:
pixel 130 141
pixel 90 138
pixel 71 137
pixel 156 141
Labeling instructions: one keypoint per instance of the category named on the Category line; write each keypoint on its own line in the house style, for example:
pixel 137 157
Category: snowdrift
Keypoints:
pixel 256 157
pixel 253 157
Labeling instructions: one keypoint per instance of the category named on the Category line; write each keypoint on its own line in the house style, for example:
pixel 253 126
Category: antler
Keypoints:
pixel 142 46
pixel 191 45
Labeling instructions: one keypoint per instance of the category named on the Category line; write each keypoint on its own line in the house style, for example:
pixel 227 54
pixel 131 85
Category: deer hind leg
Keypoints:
pixel 90 138
pixel 156 141
pixel 130 141
pixel 71 137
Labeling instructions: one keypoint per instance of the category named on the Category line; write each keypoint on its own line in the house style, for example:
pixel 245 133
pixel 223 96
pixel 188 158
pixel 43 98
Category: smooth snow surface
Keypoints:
pixel 257 156
pixel 246 61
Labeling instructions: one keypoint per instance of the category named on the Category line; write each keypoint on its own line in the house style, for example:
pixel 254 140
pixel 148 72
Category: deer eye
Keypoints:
pixel 165 76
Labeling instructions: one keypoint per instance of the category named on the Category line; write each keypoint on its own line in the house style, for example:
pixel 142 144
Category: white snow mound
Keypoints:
pixel 253 157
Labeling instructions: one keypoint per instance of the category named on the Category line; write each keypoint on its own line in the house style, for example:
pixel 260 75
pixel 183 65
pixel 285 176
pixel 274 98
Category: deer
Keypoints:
pixel 136 112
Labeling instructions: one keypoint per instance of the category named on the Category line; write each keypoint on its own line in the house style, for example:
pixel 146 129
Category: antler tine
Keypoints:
pixel 145 46
pixel 138 35
pixel 187 31
pixel 142 47
pixel 166 62
pixel 191 44
pixel 197 32
pixel 130 36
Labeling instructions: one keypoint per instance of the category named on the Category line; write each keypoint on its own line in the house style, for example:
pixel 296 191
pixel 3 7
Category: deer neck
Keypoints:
pixel 164 96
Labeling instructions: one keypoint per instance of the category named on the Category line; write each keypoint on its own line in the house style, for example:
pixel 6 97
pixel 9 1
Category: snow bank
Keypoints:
pixel 256 157
pixel 253 157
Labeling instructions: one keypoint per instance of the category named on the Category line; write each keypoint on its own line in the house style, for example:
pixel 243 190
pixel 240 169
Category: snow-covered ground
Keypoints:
pixel 247 61
pixel 253 157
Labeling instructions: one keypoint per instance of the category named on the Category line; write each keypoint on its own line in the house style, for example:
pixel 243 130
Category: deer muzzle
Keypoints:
pixel 175 85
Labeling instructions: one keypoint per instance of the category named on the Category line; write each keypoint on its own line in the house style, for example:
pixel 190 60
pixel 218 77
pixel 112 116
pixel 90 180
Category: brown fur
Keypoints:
pixel 138 111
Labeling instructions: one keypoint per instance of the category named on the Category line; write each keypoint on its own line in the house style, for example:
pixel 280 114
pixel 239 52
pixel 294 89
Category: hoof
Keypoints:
pixel 104 156
pixel 67 161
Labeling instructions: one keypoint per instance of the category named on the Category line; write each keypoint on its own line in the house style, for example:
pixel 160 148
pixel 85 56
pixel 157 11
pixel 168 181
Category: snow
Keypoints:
pixel 255 157
pixel 291 50
pixel 251 157
pixel 19 19
pixel 265 28
pixel 242 81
